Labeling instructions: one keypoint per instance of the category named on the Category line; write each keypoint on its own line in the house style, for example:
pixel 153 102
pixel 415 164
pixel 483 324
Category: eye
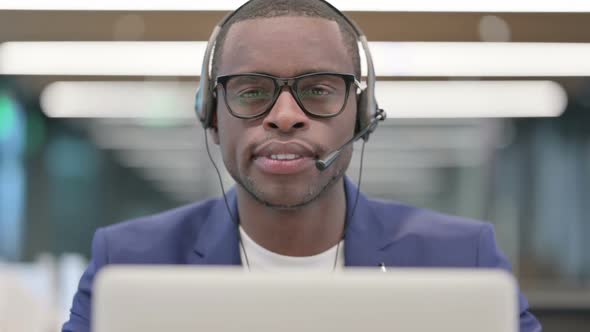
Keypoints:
pixel 253 93
pixel 250 88
pixel 252 96
pixel 315 91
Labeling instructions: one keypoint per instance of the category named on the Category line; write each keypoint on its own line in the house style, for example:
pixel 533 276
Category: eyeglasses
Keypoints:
pixel 322 94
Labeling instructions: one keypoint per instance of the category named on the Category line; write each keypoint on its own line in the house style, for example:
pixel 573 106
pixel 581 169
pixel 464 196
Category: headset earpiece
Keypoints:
pixel 205 101
pixel 363 116
pixel 204 104
pixel 200 108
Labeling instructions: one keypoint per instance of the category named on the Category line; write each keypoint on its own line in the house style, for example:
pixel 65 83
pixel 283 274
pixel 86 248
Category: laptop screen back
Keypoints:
pixel 182 299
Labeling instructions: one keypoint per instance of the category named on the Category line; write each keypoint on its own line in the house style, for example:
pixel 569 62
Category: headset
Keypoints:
pixel 368 112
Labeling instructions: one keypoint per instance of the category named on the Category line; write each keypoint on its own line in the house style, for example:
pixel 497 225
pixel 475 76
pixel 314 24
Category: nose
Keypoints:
pixel 286 116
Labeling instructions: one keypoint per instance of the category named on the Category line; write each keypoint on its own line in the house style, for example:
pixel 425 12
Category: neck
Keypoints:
pixel 304 231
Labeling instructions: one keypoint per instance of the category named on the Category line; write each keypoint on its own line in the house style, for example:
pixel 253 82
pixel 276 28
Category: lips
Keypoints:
pixel 283 158
pixel 284 150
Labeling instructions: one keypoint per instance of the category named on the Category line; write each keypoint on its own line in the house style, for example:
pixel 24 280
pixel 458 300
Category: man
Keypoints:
pixel 283 210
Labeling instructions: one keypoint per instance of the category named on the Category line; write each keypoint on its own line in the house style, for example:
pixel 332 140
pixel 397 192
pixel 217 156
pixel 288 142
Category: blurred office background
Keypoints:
pixel 488 117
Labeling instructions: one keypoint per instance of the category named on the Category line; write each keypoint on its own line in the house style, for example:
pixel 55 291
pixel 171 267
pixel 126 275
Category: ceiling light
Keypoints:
pixel 395 59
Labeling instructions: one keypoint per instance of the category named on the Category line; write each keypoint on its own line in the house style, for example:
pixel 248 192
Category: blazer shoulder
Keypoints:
pixel 161 238
pixel 402 220
pixel 419 237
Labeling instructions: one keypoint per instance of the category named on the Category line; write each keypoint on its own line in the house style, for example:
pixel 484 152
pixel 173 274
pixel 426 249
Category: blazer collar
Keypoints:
pixel 217 242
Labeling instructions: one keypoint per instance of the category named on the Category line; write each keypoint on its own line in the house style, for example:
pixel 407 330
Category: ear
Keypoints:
pixel 214 129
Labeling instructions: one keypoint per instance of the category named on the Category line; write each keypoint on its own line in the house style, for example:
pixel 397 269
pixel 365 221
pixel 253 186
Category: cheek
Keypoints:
pixel 227 134
pixel 233 137
pixel 348 118
pixel 334 132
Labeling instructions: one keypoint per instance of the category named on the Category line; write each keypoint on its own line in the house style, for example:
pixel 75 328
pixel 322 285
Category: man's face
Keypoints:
pixel 284 47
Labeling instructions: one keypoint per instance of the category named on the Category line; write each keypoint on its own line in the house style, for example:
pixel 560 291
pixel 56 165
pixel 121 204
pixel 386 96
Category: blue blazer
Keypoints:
pixel 379 232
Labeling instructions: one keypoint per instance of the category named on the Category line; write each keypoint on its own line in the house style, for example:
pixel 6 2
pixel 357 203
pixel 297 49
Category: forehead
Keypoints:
pixel 285 46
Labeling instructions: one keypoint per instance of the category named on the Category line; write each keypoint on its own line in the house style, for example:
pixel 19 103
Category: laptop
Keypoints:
pixel 189 298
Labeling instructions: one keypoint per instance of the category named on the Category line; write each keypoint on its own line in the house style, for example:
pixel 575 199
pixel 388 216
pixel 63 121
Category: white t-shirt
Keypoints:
pixel 262 259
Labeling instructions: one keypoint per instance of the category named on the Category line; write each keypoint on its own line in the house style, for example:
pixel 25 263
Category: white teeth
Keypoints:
pixel 284 156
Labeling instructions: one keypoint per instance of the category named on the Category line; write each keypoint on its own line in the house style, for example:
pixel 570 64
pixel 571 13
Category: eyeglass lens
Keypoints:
pixel 250 95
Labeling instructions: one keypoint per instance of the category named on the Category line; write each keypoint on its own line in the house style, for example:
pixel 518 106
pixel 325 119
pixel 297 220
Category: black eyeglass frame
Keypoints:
pixel 290 82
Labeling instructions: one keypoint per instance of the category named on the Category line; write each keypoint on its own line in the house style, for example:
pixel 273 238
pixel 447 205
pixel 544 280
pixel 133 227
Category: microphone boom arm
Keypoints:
pixel 322 164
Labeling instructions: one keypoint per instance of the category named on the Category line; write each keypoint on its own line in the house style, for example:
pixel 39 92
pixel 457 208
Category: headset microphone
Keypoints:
pixel 322 164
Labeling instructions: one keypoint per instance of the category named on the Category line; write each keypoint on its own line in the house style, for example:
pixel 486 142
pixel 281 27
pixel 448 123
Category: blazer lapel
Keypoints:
pixel 374 235
pixel 217 242
pixel 364 231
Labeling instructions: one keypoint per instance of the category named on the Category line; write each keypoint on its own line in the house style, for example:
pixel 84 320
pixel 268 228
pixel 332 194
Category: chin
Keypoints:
pixel 286 195
pixel 283 195
pixel 284 206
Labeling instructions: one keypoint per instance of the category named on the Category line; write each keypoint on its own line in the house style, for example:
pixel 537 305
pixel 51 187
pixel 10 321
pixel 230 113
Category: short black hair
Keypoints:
pixel 275 8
